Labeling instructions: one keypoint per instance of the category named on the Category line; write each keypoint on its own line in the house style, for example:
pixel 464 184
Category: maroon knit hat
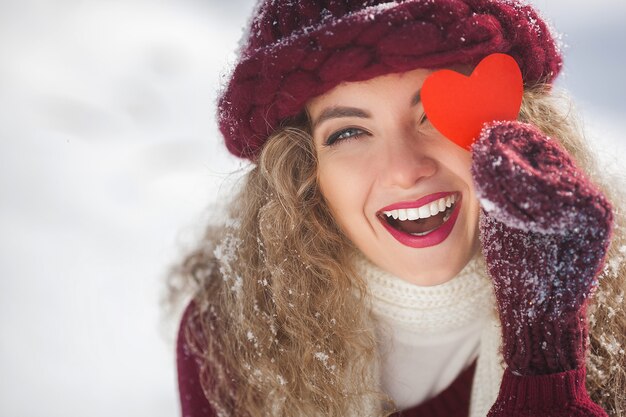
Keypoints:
pixel 298 49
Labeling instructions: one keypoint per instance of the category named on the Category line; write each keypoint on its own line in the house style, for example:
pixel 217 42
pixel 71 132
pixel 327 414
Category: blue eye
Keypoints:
pixel 344 134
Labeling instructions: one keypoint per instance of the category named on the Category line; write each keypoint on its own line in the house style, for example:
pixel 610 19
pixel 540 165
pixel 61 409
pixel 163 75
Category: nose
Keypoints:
pixel 405 163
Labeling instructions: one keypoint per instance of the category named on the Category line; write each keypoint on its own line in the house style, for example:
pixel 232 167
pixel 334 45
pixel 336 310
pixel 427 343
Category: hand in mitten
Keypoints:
pixel 545 229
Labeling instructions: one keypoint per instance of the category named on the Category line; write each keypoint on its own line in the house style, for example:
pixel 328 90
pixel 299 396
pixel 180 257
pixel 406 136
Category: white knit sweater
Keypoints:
pixel 429 335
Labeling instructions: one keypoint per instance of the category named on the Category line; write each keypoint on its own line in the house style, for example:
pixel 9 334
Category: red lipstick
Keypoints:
pixel 418 203
pixel 431 239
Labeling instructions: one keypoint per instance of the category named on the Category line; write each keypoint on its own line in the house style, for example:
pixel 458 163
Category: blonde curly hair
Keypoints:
pixel 278 309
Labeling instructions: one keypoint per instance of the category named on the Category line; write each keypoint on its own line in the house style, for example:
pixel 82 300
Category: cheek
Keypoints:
pixel 344 187
pixel 473 205
pixel 460 161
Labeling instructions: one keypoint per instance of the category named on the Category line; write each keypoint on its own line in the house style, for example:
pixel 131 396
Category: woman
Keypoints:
pixel 371 265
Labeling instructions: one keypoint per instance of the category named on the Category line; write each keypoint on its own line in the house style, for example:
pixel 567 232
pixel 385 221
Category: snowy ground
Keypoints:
pixel 109 156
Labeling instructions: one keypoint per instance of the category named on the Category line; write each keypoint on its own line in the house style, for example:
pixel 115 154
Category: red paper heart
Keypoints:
pixel 458 106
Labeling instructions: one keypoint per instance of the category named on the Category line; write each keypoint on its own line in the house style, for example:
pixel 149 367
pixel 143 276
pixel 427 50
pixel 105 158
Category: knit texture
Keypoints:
pixel 296 50
pixel 429 309
pixel 417 317
pixel 545 230
pixel 556 395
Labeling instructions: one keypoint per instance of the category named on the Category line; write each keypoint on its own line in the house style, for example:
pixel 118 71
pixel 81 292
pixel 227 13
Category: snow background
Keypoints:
pixel 109 158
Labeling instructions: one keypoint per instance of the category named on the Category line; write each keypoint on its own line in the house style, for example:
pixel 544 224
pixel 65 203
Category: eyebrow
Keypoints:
pixel 338 112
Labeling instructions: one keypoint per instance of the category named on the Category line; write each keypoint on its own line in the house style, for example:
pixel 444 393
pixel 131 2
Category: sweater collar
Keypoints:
pixel 429 310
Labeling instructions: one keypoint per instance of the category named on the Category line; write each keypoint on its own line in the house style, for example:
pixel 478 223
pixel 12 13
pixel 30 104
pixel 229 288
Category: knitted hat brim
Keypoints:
pixel 274 82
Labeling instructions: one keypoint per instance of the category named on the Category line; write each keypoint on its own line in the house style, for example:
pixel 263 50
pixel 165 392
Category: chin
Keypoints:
pixel 434 265
pixel 438 272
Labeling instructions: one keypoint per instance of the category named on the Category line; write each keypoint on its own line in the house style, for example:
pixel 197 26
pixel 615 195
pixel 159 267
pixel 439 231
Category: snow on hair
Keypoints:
pixel 280 317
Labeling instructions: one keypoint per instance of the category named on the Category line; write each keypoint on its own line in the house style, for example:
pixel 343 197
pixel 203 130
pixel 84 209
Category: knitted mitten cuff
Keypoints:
pixel 563 394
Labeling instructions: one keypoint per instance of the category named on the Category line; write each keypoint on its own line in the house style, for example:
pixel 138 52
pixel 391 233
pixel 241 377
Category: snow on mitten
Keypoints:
pixel 545 230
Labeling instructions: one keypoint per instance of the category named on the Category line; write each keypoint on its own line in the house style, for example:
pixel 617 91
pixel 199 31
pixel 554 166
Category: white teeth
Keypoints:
pixel 424 211
pixel 412 214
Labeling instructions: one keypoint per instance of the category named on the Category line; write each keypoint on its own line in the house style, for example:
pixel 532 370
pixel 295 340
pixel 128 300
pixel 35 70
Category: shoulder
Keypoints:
pixel 183 349
pixel 188 362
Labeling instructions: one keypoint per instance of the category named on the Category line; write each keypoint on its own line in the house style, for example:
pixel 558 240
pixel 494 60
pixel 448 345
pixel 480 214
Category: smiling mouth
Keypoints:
pixel 421 221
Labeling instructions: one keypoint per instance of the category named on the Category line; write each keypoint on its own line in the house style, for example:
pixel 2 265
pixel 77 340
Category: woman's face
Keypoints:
pixel 400 190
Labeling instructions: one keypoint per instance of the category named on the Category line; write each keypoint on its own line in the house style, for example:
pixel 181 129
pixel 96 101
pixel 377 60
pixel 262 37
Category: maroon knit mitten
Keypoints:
pixel 545 230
